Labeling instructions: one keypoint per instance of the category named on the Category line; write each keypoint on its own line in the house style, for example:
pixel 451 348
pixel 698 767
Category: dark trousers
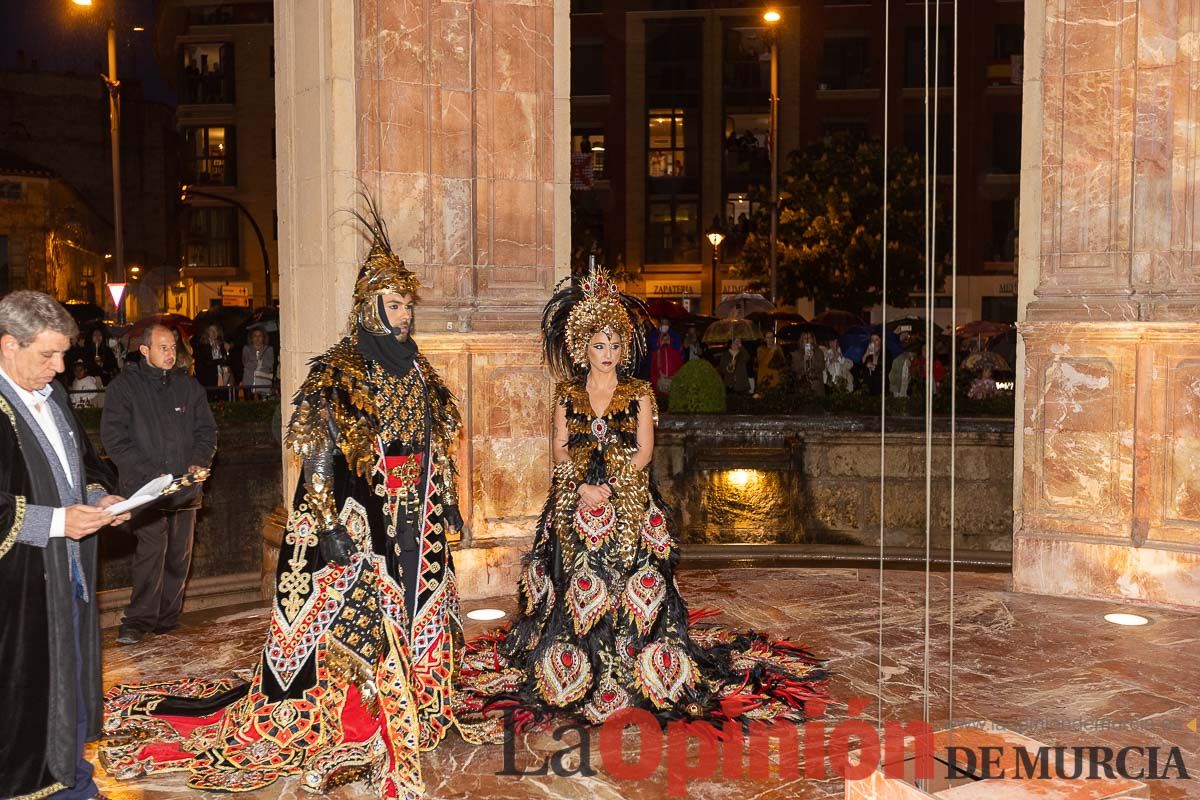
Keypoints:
pixel 84 787
pixel 160 569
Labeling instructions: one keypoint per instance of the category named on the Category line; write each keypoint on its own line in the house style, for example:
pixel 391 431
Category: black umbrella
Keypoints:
pixel 227 318
pixel 264 319
pixel 913 325
pixel 85 314
pixel 792 333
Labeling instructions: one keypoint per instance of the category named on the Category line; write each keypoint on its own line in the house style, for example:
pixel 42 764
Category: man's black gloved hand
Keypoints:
pixel 336 546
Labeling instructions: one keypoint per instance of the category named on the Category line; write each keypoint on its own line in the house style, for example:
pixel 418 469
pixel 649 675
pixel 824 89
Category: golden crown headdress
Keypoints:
pixel 382 272
pixel 585 307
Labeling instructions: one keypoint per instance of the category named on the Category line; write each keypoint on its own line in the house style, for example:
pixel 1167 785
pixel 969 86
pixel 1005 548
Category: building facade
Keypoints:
pixel 59 123
pixel 223 63
pixel 677 95
pixel 51 239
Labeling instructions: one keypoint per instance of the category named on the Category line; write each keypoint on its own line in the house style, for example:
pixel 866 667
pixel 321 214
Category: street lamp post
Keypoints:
pixel 772 17
pixel 715 236
pixel 114 129
pixel 187 191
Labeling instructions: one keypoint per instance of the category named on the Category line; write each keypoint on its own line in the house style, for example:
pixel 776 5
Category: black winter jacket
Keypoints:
pixel 157 421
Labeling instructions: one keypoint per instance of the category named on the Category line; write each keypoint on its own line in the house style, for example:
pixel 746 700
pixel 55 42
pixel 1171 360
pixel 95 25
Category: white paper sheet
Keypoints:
pixel 148 493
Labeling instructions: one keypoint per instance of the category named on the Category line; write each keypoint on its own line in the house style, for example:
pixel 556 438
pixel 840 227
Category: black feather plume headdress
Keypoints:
pixel 579 309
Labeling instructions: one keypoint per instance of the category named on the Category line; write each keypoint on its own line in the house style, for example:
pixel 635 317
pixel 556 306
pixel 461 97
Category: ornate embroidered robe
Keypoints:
pixel 355 674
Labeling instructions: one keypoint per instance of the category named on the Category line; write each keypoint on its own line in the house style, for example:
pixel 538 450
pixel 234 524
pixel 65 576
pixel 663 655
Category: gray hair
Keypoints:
pixel 25 314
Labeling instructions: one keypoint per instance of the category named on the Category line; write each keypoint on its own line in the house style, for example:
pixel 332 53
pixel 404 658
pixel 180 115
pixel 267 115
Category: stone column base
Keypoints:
pixel 1106 571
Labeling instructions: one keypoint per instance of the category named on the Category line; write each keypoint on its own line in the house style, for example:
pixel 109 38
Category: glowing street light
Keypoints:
pixel 772 18
pixel 715 236
pixel 82 2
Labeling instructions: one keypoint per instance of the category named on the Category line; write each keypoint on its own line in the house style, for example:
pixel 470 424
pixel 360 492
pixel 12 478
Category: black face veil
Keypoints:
pixel 392 354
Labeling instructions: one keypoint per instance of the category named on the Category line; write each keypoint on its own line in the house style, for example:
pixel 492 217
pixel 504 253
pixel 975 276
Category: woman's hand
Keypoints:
pixel 591 495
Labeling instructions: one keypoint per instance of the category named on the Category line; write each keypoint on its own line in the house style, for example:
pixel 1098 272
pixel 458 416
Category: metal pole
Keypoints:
pixel 114 126
pixel 774 125
pixel 262 242
pixel 716 248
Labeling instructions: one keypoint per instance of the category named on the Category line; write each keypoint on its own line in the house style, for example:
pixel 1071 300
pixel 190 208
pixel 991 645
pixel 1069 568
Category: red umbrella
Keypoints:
pixel 174 321
pixel 840 321
pixel 788 317
pixel 982 328
pixel 661 308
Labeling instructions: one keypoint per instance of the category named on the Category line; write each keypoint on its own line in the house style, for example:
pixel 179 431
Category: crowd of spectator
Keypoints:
pixel 811 366
pixel 226 372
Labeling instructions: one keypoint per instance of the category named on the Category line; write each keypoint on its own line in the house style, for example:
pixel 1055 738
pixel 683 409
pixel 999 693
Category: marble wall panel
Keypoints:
pixel 398 34
pixel 457 128
pixel 1079 394
pixel 451 46
pixel 452 155
pixel 1183 482
pixel 1119 133
pixel 1174 496
pixel 1079 416
pixel 504 458
pixel 1108 453
pixel 1080 568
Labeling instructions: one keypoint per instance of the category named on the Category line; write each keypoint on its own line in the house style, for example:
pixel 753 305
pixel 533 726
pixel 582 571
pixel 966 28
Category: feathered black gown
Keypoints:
pixel 601 625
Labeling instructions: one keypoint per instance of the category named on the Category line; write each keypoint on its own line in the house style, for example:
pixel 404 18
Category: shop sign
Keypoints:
pixel 672 288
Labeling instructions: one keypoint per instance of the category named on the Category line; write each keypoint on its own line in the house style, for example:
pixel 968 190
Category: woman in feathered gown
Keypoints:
pixel 601 625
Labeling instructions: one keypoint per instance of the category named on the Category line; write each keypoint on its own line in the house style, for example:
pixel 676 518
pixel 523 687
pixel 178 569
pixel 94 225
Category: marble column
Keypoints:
pixel 1109 459
pixel 454 114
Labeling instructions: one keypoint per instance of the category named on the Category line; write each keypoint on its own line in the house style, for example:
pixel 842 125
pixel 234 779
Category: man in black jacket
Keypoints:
pixel 157 420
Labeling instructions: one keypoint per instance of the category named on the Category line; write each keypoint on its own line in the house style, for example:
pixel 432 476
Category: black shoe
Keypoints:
pixel 129 635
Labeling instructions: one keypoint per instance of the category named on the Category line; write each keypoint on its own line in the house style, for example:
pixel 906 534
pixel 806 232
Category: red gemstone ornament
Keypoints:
pixel 588 600
pixel 663 672
pixel 595 526
pixel 607 699
pixel 644 593
pixel 562 674
pixel 655 533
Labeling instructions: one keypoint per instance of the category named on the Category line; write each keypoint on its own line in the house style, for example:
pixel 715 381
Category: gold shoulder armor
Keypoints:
pixel 308 431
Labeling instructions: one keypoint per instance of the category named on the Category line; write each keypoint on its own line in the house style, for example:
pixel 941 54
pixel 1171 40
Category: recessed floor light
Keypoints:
pixel 1126 619
pixel 486 614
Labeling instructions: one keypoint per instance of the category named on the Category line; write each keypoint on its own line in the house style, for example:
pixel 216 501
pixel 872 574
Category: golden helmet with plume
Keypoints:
pixel 382 272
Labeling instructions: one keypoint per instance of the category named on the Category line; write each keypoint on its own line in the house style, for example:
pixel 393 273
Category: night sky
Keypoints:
pixel 64 37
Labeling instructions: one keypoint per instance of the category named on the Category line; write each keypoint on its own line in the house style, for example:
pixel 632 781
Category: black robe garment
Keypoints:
pixel 37 643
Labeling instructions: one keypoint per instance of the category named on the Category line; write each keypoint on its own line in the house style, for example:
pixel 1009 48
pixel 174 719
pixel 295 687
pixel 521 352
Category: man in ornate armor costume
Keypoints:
pixel 355 674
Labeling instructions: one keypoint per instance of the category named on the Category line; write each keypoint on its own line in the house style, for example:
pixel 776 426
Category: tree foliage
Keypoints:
pixel 831 226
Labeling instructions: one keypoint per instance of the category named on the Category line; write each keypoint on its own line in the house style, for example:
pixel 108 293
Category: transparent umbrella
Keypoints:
pixel 726 330
pixel 742 305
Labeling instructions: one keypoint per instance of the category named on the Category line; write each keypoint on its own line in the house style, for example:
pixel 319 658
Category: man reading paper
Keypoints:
pixel 157 420
pixel 52 498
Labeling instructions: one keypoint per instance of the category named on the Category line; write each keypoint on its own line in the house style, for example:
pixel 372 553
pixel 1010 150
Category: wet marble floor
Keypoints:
pixel 1049 667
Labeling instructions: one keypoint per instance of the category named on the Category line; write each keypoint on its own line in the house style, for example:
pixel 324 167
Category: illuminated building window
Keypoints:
pixel 206 73
pixel 665 128
pixel 210 156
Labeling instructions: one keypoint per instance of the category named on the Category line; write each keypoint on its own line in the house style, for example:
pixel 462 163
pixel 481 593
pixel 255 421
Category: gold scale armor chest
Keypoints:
pixel 402 417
